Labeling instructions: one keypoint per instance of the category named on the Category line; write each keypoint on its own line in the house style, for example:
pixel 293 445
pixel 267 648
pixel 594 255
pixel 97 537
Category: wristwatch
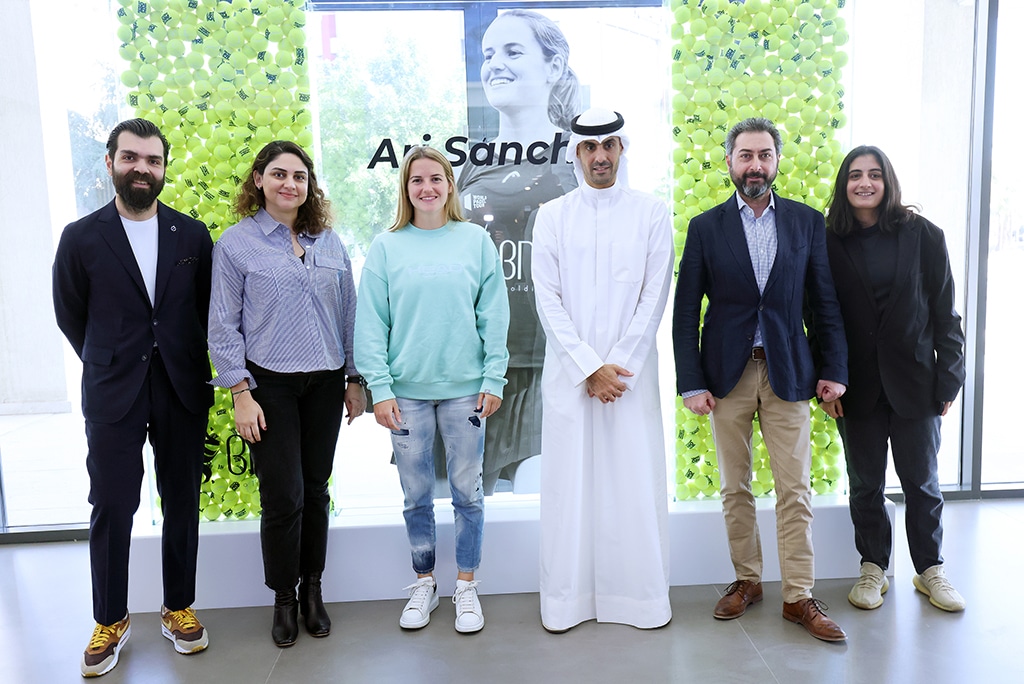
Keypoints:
pixel 357 379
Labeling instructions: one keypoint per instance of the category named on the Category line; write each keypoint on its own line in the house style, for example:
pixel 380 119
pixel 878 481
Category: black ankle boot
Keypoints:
pixel 311 605
pixel 286 625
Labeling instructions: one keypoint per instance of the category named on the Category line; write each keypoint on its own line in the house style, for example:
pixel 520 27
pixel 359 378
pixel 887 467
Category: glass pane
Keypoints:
pixel 904 99
pixel 1004 376
pixel 372 101
pixel 42 442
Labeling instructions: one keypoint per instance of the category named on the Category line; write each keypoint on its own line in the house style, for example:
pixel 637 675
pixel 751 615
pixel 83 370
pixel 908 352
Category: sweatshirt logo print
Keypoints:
pixel 435 270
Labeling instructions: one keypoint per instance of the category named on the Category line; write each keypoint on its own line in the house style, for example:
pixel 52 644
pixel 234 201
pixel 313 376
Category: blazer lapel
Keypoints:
pixel 908 244
pixel 783 244
pixel 167 240
pixel 112 230
pixel 732 228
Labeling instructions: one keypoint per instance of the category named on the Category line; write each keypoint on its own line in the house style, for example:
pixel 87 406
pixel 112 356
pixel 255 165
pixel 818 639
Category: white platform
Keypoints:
pixel 368 553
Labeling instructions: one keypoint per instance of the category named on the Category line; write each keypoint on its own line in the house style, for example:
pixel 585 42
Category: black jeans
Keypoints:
pixel 915 448
pixel 293 461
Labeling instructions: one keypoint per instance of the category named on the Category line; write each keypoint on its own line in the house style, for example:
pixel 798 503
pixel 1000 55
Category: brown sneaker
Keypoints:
pixel 810 613
pixel 184 630
pixel 738 596
pixel 100 655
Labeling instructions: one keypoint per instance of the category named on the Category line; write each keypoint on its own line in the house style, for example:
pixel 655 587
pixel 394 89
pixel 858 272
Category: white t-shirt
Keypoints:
pixel 143 237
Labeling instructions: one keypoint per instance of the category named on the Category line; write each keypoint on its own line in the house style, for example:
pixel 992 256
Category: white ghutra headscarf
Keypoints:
pixel 597 124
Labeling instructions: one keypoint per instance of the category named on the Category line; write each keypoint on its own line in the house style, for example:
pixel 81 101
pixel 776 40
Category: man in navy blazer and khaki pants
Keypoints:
pixel 131 292
pixel 760 258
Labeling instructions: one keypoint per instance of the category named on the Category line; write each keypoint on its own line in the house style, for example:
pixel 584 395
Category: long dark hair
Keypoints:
pixel 314 215
pixel 892 213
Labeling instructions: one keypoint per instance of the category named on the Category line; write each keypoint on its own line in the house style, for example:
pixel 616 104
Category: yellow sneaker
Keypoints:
pixel 100 655
pixel 184 630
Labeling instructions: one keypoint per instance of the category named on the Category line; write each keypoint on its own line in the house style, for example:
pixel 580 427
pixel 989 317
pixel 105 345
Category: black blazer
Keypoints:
pixel 102 307
pixel 716 262
pixel 914 349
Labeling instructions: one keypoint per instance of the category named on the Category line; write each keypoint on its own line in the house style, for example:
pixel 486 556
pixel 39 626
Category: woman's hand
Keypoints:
pixel 487 404
pixel 249 419
pixel 355 401
pixel 833 408
pixel 387 414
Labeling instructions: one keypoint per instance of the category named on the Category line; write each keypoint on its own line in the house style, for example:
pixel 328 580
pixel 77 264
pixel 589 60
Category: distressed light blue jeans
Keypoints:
pixel 462 431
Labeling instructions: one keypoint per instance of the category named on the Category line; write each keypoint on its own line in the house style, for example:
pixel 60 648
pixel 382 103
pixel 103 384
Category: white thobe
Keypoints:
pixel 602 268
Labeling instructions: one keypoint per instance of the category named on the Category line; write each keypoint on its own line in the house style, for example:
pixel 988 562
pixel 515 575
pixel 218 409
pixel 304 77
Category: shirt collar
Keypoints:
pixel 268 224
pixel 743 205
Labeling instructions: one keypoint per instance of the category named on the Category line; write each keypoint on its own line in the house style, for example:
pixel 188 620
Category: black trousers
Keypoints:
pixel 115 475
pixel 915 448
pixel 293 462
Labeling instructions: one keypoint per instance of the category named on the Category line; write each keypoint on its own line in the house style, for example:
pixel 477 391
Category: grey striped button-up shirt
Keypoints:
pixel 280 312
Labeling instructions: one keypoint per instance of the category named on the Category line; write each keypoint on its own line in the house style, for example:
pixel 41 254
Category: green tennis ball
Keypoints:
pixel 284 59
pixel 238 60
pixel 225 71
pixel 130 79
pixel 211 512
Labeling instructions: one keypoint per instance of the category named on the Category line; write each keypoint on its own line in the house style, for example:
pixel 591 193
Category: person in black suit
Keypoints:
pixel 758 258
pixel 131 292
pixel 895 290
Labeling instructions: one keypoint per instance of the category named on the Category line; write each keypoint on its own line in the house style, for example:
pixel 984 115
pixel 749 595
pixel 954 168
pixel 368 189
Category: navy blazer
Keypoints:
pixel 716 262
pixel 102 308
pixel 913 349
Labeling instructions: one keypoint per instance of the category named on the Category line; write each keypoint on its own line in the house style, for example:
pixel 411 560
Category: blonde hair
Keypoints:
pixel 404 213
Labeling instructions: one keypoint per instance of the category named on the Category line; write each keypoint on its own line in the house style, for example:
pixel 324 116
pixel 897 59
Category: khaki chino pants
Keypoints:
pixel 785 426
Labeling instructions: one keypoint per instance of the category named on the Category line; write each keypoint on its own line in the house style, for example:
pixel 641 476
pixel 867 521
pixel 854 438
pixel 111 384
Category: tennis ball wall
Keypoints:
pixel 220 79
pixel 780 59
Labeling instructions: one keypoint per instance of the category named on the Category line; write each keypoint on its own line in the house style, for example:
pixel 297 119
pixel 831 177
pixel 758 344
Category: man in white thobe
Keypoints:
pixel 602 266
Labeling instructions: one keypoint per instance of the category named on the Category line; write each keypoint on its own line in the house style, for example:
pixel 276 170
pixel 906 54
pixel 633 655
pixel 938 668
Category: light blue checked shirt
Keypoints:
pixel 763 244
pixel 270 307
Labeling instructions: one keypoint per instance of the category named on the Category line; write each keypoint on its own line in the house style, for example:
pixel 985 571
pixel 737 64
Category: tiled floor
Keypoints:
pixel 45 623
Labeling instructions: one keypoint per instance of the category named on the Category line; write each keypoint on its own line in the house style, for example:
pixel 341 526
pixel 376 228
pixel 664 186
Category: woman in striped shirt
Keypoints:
pixel 282 315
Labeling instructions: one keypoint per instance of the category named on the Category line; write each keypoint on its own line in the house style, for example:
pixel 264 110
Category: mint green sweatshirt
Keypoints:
pixel 432 314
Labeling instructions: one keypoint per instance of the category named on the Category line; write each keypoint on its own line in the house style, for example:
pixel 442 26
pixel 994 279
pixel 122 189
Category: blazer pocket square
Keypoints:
pixel 187 260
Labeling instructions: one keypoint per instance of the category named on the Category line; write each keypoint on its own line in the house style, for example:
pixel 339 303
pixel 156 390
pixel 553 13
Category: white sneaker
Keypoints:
pixel 422 601
pixel 941 594
pixel 867 591
pixel 469 616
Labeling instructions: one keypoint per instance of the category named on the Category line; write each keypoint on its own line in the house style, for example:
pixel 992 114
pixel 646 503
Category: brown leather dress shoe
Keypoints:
pixel 738 596
pixel 810 613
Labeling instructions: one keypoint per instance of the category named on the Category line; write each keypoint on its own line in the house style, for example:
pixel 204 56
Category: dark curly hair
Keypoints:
pixel 314 214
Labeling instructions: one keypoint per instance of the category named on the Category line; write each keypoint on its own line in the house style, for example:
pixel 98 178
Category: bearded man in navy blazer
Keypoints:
pixel 760 259
pixel 131 292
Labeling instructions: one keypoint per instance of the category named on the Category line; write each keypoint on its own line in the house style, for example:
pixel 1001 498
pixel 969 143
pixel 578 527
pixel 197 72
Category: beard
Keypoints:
pixel 754 185
pixel 137 199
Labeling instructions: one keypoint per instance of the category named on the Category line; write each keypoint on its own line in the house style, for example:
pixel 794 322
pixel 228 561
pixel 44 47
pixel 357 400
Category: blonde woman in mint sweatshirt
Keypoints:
pixel 431 324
